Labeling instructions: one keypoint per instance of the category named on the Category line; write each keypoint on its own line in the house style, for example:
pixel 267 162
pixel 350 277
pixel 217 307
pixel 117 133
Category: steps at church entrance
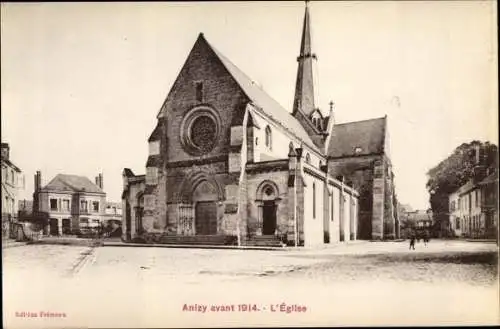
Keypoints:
pixel 198 239
pixel 264 241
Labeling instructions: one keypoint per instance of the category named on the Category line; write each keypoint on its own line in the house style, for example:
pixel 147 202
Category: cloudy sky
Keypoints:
pixel 81 83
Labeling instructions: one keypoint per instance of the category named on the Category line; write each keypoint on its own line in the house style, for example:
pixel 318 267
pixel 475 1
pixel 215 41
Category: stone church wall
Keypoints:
pixel 220 92
pixel 368 175
pixel 255 181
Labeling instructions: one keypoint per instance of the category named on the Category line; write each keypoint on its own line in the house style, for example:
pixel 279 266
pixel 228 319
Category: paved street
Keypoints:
pixel 356 284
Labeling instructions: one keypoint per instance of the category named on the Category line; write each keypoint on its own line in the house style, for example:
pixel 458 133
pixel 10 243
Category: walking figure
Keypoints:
pixel 426 238
pixel 412 242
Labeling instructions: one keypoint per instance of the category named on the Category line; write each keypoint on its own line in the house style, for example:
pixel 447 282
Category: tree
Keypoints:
pixel 468 161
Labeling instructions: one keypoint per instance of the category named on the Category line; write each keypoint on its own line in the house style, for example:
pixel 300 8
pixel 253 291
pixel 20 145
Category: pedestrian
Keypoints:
pixel 412 242
pixel 426 238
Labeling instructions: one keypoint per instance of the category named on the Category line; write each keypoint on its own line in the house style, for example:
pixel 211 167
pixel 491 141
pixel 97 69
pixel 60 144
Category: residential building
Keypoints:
pixel 474 208
pixel 69 204
pixel 226 160
pixel 113 212
pixel 12 183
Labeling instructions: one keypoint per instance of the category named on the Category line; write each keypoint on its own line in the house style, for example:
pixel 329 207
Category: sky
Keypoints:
pixel 82 83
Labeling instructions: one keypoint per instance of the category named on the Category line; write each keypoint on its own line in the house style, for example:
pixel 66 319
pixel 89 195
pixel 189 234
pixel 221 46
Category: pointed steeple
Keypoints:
pixel 304 87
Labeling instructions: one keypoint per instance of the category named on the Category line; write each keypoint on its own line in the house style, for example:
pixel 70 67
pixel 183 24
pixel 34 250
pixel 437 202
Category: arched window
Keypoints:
pixel 308 158
pixel 269 138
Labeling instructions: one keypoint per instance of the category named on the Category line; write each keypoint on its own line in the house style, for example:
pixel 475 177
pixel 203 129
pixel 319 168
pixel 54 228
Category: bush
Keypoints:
pixel 231 240
pixel 138 239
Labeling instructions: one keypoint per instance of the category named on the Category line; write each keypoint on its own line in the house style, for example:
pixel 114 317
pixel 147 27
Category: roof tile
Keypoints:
pixel 72 183
pixel 368 135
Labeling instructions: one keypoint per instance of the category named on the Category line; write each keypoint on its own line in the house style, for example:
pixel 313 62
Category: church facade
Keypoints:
pixel 228 164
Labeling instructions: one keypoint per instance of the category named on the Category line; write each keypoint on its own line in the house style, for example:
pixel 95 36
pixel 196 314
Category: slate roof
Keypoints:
pixel 470 185
pixel 491 178
pixel 72 183
pixel 263 101
pixel 11 164
pixel 369 135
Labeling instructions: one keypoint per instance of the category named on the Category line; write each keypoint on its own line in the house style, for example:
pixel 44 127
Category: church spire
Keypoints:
pixel 304 87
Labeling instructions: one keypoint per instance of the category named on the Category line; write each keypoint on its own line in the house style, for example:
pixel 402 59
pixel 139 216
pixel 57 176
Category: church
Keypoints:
pixel 228 164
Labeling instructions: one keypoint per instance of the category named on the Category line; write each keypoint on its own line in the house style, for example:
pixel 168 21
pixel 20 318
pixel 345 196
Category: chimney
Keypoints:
pixel 477 147
pixel 38 181
pixel 5 151
pixel 98 181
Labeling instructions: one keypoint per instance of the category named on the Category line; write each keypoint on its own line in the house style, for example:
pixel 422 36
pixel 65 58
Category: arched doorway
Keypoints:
pixel 205 197
pixel 268 196
pixel 139 211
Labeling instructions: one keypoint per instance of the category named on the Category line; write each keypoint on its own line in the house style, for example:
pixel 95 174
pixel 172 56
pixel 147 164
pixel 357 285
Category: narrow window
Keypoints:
pixel 199 91
pixel 53 204
pixel 308 158
pixel 65 205
pixel 95 206
pixel 314 200
pixel 269 138
pixel 331 201
pixel 83 205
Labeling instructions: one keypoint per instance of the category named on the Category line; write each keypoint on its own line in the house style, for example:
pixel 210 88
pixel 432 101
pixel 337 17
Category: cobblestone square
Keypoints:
pixel 363 283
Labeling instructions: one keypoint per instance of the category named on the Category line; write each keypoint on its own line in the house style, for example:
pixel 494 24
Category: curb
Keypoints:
pixel 84 243
pixel 13 245
pixel 190 246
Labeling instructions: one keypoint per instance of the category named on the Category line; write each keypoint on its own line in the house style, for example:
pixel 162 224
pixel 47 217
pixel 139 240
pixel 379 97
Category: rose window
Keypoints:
pixel 203 132
pixel 200 130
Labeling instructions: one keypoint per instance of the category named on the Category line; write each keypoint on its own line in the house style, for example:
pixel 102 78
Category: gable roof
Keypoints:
pixel 9 163
pixel 72 183
pixel 490 179
pixel 263 101
pixel 369 135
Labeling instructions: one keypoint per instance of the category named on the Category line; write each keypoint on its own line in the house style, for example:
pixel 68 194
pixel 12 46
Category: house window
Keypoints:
pixel 95 206
pixel 199 91
pixel 308 158
pixel 53 204
pixel 65 205
pixel 269 138
pixel 13 176
pixel 83 205
pixel 314 200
